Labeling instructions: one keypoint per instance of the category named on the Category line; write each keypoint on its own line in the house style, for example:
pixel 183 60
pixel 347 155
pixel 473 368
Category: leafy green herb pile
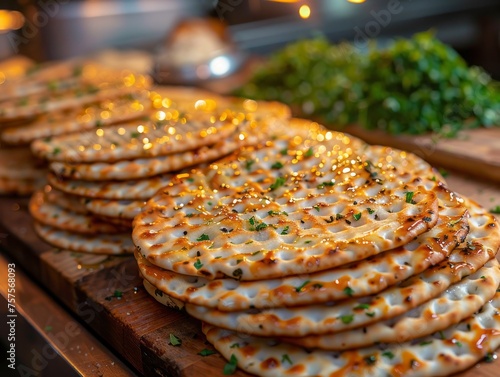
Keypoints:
pixel 414 86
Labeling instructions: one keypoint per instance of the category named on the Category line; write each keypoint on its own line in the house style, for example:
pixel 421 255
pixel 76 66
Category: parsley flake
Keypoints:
pixel 357 216
pixel 206 352
pixel 285 230
pixel 300 287
pixel 280 181
pixel 277 165
pixel 231 366
pixel 198 264
pixel 349 291
pixel 286 358
pixel 346 319
pixel 309 152
pixel 495 210
pixel 409 197
pixel 174 341
pixel 362 306
pixel 388 354
pixel 203 237
pixel 248 164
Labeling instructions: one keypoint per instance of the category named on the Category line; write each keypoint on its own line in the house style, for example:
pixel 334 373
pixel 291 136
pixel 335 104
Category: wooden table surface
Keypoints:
pixel 135 325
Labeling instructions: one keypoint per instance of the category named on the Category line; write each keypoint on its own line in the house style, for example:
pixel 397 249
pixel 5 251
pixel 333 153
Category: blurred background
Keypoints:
pixel 57 29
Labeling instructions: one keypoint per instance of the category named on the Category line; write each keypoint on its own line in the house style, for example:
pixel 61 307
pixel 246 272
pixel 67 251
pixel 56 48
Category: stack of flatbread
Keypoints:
pixel 59 98
pixel 111 171
pixel 314 254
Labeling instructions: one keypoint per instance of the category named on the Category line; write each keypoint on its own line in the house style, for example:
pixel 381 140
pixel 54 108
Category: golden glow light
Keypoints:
pixel 304 11
pixel 356 1
pixel 10 20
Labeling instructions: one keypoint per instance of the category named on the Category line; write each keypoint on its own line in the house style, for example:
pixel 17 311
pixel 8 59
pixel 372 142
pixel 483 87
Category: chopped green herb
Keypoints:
pixel 248 164
pixel 280 181
pixel 324 184
pixel 234 345
pixel 251 220
pixel 284 151
pixel 495 210
pixel 357 216
pixel 388 354
pixel 98 123
pixel 425 343
pixel 198 264
pixel 443 173
pixel 308 241
pixel 490 357
pixel 277 165
pixel 285 230
pixel 203 237
pixel 483 277
pixel 117 293
pixel 309 152
pixel 317 286
pixel 276 213
pixel 370 211
pixel 370 314
pixel 441 335
pixel 362 306
pixel 231 366
pixel 316 207
pixel 409 197
pixel 189 214
pixel 339 216
pixel 286 358
pixel 56 151
pixel 349 291
pixel 174 341
pixel 206 352
pixel 346 319
pixel 300 287
pixel 134 135
pixel 238 261
pixel 261 226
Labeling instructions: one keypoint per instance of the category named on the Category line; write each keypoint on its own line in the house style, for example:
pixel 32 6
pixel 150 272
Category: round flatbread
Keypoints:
pixel 94 244
pixel 146 167
pixel 49 213
pixel 443 353
pixel 458 302
pixel 93 116
pixel 138 189
pixel 358 279
pixel 125 142
pixel 293 207
pixel 349 314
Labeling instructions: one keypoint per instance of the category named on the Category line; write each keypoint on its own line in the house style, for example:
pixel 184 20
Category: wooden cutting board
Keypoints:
pixel 135 325
pixel 474 152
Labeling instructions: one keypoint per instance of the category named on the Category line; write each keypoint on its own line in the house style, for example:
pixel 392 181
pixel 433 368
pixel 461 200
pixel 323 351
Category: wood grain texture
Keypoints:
pixel 135 325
